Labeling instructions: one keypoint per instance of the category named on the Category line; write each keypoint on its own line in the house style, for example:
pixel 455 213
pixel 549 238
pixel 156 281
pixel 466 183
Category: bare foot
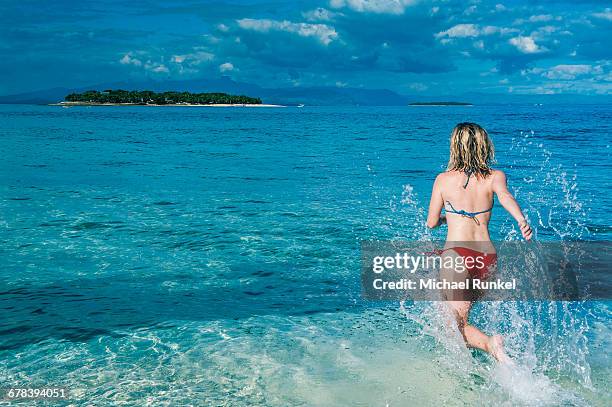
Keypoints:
pixel 496 349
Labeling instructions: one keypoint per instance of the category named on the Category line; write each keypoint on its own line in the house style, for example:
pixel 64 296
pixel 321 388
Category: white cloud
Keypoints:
pixel 547 29
pixel 540 18
pixel 586 86
pixel 156 67
pixel 161 68
pixel 130 60
pixel 194 58
pixel 473 30
pixel 373 6
pixel 222 27
pixel 324 33
pixel 491 29
pixel 226 67
pixel 318 14
pixel 567 72
pixel 526 45
pixel 460 31
pixel 544 90
pixel 575 77
pixel 211 39
pixel 149 65
pixel 606 14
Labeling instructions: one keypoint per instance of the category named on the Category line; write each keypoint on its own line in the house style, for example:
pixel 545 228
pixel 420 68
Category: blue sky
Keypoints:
pixel 409 46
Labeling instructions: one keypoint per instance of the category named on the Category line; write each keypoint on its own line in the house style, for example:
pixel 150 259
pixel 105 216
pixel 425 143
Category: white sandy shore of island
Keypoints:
pixel 170 104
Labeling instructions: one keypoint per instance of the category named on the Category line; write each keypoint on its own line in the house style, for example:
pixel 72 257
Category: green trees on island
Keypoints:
pixel 147 97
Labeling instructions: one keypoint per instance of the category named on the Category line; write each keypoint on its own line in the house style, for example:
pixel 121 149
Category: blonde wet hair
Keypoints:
pixel 471 150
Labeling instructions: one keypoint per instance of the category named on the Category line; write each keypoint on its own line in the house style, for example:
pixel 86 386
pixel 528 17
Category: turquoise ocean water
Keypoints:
pixel 210 256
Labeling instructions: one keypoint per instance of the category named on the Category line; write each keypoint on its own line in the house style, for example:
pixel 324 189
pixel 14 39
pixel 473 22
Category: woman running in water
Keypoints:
pixel 465 191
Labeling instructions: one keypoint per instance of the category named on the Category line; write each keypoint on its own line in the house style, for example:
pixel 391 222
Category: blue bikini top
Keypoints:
pixel 471 215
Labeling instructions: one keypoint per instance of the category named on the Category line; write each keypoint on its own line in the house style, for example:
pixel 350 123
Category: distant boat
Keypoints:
pixel 300 105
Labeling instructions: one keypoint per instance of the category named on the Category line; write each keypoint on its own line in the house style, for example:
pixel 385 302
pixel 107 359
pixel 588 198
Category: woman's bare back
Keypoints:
pixel 472 195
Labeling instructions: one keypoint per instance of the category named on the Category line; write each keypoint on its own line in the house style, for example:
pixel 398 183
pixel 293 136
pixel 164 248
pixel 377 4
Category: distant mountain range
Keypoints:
pixel 319 95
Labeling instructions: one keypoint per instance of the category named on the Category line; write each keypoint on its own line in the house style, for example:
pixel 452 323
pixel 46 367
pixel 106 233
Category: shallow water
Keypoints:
pixel 157 254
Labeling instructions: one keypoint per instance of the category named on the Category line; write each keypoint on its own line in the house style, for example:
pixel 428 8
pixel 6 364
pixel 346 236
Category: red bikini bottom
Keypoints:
pixel 482 265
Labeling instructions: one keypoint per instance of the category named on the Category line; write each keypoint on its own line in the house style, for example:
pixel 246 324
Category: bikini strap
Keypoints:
pixel 469 174
pixel 462 212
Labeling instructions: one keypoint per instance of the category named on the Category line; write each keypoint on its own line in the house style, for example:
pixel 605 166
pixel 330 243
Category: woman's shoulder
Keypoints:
pixel 446 178
pixel 497 174
pixel 448 174
pixel 442 176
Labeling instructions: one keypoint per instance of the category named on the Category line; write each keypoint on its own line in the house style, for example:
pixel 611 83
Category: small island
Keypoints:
pixel 440 104
pixel 149 98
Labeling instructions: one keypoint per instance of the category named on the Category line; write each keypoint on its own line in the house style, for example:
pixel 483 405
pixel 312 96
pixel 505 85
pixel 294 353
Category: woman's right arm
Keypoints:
pixel 506 199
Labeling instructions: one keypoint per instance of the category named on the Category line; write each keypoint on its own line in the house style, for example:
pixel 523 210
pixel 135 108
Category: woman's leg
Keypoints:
pixel 460 303
pixel 474 337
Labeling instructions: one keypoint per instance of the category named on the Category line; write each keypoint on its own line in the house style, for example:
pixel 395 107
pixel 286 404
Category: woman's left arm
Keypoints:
pixel 435 206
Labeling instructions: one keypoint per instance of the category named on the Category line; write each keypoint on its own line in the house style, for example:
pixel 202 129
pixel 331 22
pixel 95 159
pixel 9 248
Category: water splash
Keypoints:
pixel 556 207
pixel 525 387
